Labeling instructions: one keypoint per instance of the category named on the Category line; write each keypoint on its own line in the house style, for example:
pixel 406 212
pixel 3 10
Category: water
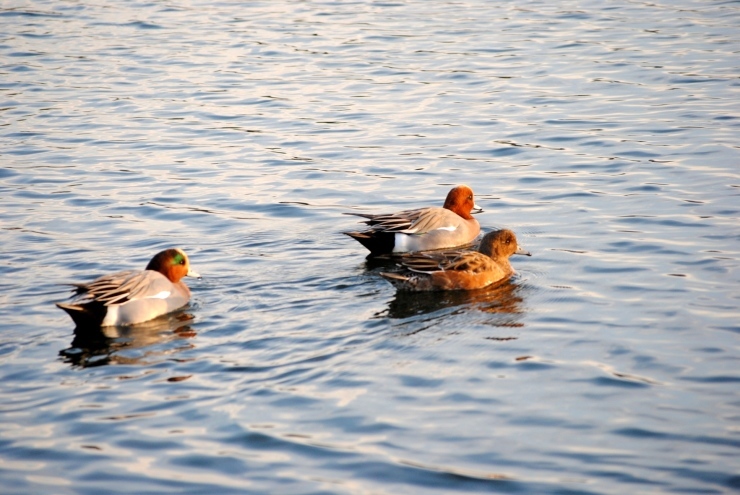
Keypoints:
pixel 603 133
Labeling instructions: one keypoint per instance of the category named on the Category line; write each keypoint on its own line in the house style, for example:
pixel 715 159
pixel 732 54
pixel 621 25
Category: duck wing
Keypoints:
pixel 418 221
pixel 457 261
pixel 121 287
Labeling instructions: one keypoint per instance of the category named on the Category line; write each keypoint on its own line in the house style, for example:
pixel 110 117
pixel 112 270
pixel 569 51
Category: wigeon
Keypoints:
pixel 459 270
pixel 423 229
pixel 133 296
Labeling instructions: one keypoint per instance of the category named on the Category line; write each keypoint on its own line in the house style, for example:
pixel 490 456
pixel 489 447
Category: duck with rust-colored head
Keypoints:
pixel 422 229
pixel 459 270
pixel 133 296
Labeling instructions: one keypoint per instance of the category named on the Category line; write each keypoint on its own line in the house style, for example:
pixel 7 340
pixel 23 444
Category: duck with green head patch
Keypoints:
pixel 133 296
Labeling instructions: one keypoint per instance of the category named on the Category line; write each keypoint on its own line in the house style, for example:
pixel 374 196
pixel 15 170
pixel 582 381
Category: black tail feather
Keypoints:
pixel 377 243
pixel 85 315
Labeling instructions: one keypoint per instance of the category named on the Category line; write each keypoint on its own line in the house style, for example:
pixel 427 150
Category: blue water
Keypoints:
pixel 605 134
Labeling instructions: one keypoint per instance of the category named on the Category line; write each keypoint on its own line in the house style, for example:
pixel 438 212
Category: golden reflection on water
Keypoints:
pixel 137 344
pixel 504 301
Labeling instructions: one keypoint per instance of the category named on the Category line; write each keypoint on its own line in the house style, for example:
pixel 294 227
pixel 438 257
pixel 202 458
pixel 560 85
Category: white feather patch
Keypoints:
pixel 162 295
pixel 399 244
pixel 450 228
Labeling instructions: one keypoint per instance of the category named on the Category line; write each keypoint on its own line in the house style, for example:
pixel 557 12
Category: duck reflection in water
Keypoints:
pixel 504 300
pixel 140 344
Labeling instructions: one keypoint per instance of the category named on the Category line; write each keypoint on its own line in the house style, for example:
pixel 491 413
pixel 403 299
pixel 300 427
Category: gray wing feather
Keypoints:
pixel 417 221
pixel 118 288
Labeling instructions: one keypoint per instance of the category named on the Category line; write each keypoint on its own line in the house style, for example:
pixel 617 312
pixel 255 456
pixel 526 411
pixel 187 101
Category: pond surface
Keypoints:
pixel 605 134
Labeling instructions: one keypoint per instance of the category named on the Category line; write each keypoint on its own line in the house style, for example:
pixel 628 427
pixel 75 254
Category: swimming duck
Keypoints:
pixel 422 229
pixel 458 270
pixel 133 296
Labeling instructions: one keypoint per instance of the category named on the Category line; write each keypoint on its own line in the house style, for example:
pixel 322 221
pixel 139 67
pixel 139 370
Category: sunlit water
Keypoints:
pixel 604 133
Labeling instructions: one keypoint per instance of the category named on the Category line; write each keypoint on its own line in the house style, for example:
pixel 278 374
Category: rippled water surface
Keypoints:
pixel 604 133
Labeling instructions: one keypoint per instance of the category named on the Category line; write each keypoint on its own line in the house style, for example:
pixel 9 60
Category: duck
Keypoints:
pixel 422 229
pixel 459 269
pixel 133 296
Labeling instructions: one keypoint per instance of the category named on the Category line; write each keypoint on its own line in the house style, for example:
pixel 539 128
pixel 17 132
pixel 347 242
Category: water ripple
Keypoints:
pixel 604 135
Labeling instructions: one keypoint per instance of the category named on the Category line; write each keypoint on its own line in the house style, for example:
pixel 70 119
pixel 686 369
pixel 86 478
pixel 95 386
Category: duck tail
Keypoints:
pixel 84 315
pixel 394 277
pixel 401 280
pixel 367 216
pixel 376 242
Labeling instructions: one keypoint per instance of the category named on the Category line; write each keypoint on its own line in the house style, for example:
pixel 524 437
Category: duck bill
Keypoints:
pixel 523 252
pixel 476 209
pixel 193 273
